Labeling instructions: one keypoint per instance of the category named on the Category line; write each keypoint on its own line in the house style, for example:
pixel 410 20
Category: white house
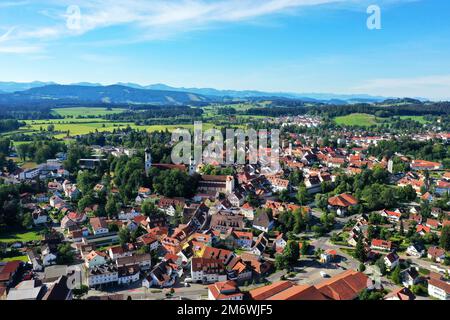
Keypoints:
pixel 103 274
pixel 439 289
pixel 391 260
pixel 99 226
pixel 410 277
pixel 207 270
pixel 39 217
pixel 128 215
pixel 128 274
pixel 415 250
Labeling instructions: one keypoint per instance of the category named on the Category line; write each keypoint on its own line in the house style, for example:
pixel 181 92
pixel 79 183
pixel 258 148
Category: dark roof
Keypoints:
pixel 58 291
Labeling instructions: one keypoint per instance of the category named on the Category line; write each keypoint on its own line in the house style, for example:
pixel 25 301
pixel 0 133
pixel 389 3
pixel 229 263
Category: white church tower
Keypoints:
pixel 148 160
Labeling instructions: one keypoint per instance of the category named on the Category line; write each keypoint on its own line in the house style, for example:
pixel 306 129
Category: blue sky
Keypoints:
pixel 272 45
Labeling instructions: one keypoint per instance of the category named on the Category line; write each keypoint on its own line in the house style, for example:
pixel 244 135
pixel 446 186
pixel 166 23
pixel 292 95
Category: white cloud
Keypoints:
pixel 20 49
pixel 156 17
pixel 432 87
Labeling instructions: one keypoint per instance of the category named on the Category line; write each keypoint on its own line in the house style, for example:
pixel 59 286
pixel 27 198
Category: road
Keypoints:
pixel 137 292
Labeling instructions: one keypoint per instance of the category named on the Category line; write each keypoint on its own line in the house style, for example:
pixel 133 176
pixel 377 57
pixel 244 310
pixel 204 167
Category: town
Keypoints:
pixel 351 212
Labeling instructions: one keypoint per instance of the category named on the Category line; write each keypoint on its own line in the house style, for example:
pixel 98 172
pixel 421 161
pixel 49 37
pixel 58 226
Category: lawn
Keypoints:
pixel 21 258
pixel 86 111
pixel 23 236
pixel 357 119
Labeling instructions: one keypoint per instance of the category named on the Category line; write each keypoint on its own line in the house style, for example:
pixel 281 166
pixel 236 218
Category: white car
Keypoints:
pixel 323 274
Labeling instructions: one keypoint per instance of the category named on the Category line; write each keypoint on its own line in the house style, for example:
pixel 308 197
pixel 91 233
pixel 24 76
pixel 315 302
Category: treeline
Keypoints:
pixel 139 114
pixel 426 150
pixel 277 111
pixel 9 125
pixel 418 109
pixel 40 150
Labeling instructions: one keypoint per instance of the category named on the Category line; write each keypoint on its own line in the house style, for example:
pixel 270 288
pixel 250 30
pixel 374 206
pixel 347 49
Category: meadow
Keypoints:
pixel 85 112
pixel 367 120
pixel 357 119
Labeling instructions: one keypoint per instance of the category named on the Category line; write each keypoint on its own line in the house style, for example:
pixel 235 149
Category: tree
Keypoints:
pixel 149 209
pixel 370 295
pixel 302 194
pixel 360 251
pixel 381 265
pixel 86 201
pixel 27 221
pixel 362 267
pixel 281 262
pixel 395 276
pixel 112 207
pixel 292 251
pixel 304 248
pixel 444 241
pixel 51 128
pixel 322 202
pixel 65 254
pixel 124 236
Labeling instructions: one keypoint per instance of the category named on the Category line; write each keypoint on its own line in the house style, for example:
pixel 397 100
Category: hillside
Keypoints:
pixel 114 94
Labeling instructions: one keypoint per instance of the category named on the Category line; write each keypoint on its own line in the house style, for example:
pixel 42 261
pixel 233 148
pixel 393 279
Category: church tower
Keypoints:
pixel 148 160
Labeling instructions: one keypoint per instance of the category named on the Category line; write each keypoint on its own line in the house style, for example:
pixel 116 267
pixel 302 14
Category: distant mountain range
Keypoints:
pixel 157 93
pixel 114 94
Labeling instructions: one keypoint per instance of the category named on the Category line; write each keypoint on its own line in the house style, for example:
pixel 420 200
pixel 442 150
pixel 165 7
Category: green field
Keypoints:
pixel 24 236
pixel 85 112
pixel 419 119
pixel 366 120
pixel 21 258
pixel 84 127
pixel 357 119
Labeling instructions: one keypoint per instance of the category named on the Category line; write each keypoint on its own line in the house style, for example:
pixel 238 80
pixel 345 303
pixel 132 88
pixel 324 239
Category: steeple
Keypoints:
pixel 148 160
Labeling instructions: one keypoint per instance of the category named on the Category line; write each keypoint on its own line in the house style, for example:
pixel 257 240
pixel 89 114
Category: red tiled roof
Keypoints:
pixel 343 200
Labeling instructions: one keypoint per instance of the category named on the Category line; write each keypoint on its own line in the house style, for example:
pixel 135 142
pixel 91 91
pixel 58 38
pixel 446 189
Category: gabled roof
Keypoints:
pixel 343 200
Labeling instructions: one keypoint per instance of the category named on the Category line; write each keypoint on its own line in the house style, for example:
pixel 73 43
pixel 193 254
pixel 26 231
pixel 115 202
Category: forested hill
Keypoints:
pixel 114 94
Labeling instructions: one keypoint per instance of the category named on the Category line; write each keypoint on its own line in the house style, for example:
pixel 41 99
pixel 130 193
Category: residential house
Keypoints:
pixel 393 216
pixel 436 254
pixel 59 291
pixel 403 294
pixel 242 239
pixel 415 250
pixel 143 260
pixel 410 277
pixel 263 221
pixel 279 243
pixel 248 211
pixel 8 270
pixel 260 244
pixel 328 256
pixel 128 274
pixel 224 290
pixel 207 270
pixel 95 258
pixel 378 244
pixel 102 274
pixel 99 226
pixel 439 288
pixel 163 275
pixel 391 260
pixel 341 203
